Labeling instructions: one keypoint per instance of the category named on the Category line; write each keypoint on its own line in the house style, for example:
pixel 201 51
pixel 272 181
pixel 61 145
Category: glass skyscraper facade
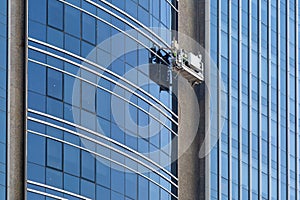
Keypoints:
pixel 255 45
pixel 101 115
pixel 80 145
pixel 3 89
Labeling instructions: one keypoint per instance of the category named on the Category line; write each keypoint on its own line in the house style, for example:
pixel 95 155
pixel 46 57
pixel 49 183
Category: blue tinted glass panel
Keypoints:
pixel 54 154
pixel 87 165
pixel 54 85
pixel 55 14
pixel 72 21
pixel 67 150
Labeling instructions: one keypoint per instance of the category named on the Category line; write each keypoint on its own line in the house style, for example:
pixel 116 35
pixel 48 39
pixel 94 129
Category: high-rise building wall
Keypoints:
pixel 100 121
pixel 3 91
pixel 97 126
pixel 255 46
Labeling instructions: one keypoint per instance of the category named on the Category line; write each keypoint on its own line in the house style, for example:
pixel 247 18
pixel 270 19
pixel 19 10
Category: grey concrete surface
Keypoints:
pixel 16 105
pixel 191 169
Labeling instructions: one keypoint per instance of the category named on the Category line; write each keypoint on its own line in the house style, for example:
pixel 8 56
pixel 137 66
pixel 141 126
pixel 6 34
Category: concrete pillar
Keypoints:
pixel 16 101
pixel 191 169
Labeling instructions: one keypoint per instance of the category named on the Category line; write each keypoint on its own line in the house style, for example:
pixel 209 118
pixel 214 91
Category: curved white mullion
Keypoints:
pixel 57 189
pixel 45 194
pixel 170 3
pixel 106 158
pixel 114 15
pixel 118 29
pixel 115 94
pixel 92 71
pixel 128 23
pixel 110 80
pixel 91 139
pixel 104 145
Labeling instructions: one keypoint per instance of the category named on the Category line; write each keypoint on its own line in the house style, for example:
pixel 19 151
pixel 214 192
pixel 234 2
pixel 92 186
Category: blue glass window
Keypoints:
pixel 55 14
pixel 144 4
pixel 35 156
pixel 68 91
pixel 71 183
pixel 143 188
pixel 103 104
pixel 54 85
pixel 72 160
pixel 54 178
pixel 36 31
pixel 88 28
pixel 36 78
pixel 90 92
pixel 72 44
pixel 103 193
pixel 87 189
pixel 72 21
pixel 116 196
pixel 117 179
pixel 36 102
pixel 131 185
pixel 103 172
pixel 35 172
pixel 37 10
pixel 54 154
pixel 54 107
pixel 87 165
pixel 117 134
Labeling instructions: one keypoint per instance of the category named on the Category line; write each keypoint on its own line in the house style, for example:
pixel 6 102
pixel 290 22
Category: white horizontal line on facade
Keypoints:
pixel 114 15
pixel 45 194
pixel 118 29
pixel 117 95
pixel 113 81
pixel 125 21
pixel 106 158
pixel 99 67
pixel 91 139
pixel 57 189
pixel 106 146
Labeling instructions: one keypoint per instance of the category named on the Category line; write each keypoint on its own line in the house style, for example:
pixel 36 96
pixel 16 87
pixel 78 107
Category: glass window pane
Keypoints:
pixel 87 165
pixel 36 78
pixel 54 86
pixel 88 28
pixel 55 14
pixel 71 183
pixel 72 160
pixel 87 189
pixel 37 10
pixel 117 179
pixel 54 107
pixel 103 193
pixel 72 21
pixel 35 173
pixel 103 172
pixel 88 96
pixel 53 178
pixel 54 154
pixel 131 185
pixel 39 143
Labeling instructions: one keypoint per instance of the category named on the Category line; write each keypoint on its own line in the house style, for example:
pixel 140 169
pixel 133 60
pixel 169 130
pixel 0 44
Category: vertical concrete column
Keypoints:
pixel 16 100
pixel 191 169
